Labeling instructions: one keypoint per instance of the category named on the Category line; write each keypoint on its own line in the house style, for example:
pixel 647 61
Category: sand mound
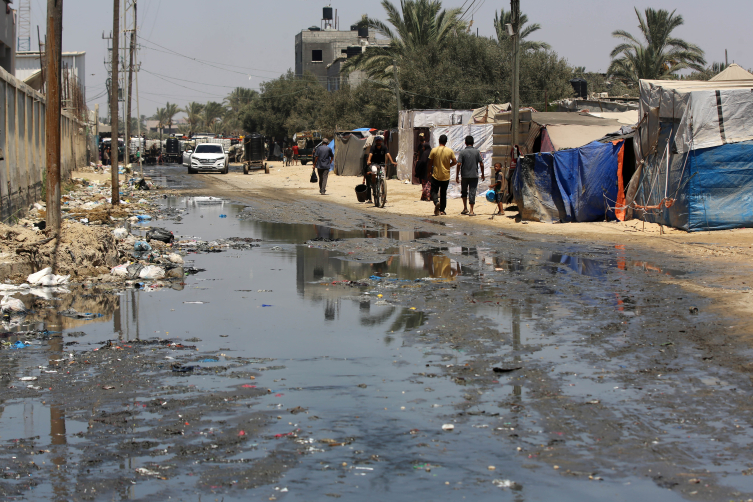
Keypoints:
pixel 80 251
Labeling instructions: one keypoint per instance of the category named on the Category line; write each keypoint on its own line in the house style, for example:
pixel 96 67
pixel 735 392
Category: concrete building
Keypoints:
pixel 335 80
pixel 28 68
pixel 315 49
pixel 8 37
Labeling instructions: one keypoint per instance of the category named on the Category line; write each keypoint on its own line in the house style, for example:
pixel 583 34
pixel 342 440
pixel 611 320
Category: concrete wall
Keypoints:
pixel 22 141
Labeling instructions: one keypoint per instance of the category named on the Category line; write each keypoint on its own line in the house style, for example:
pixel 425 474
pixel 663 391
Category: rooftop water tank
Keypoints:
pixel 327 13
pixel 363 32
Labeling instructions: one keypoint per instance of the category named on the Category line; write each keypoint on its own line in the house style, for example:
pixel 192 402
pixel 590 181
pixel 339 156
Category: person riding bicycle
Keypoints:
pixel 376 157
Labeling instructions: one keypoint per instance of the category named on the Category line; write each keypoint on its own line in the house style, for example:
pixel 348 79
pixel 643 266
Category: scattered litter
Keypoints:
pixel 160 234
pixel 147 472
pixel 448 427
pixel 78 315
pixel 223 216
pixel 141 246
pixel 593 401
pixel 152 272
pixel 506 370
pixel 108 387
pixel 120 270
pixel 28 379
pixel 45 277
pixel 18 345
pixel 143 217
pixel 265 305
pixel 175 258
pixel 120 233
pixel 196 303
pixel 10 304
pixel 506 483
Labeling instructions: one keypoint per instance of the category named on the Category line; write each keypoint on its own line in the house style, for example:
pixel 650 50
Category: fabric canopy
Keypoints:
pixel 733 72
pixel 573 136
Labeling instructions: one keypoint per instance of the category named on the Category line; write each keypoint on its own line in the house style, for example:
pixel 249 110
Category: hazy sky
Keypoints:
pixel 257 37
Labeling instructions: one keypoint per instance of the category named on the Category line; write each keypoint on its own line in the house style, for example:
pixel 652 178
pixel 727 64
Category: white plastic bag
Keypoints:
pixel 175 258
pixel 120 270
pixel 36 278
pixel 152 272
pixel 120 233
pixel 54 280
pixel 10 304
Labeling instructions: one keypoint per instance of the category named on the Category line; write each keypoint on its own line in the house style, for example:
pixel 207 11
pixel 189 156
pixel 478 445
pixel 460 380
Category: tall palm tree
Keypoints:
pixel 416 25
pixel 193 114
pixel 212 111
pixel 662 55
pixel 239 97
pixel 505 17
pixel 171 109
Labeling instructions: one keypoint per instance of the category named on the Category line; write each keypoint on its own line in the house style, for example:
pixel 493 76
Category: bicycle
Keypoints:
pixel 379 185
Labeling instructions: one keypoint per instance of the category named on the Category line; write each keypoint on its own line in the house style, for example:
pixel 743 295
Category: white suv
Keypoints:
pixel 208 157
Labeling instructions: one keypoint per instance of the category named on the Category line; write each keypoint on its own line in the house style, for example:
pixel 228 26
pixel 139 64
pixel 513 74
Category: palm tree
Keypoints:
pixel 416 25
pixel 171 109
pixel 212 111
pixel 161 117
pixel 239 97
pixel 193 114
pixel 661 57
pixel 505 17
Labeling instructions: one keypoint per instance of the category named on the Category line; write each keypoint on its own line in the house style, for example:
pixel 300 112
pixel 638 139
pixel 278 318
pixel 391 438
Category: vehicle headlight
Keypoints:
pixel 195 161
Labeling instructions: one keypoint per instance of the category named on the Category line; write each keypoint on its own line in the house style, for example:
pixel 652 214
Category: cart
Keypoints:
pixel 253 147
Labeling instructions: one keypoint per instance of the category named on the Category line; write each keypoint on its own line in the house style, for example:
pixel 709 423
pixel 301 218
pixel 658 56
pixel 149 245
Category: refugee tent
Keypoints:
pixel 483 135
pixel 552 131
pixel 580 184
pixel 486 114
pixel 350 152
pixel 694 154
pixel 411 122
pixel 733 72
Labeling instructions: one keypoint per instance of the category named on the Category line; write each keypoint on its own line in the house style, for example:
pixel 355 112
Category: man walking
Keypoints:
pixel 322 159
pixel 441 159
pixel 469 163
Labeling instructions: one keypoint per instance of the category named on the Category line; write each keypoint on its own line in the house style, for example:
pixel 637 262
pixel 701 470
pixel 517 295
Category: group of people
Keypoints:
pixel 290 155
pixel 433 169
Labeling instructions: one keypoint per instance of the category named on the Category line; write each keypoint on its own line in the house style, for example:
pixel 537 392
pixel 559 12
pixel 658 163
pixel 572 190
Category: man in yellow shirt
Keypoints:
pixel 441 159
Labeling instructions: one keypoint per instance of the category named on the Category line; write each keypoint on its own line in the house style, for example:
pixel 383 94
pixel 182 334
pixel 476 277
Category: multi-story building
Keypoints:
pixel 7 37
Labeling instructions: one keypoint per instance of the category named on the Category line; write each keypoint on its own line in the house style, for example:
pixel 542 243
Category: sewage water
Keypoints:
pixel 365 369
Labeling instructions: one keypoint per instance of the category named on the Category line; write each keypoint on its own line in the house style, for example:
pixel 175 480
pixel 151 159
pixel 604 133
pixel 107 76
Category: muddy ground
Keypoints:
pixel 356 354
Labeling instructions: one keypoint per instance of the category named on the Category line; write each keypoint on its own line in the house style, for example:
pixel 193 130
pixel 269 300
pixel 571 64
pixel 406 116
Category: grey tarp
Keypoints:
pixel 349 155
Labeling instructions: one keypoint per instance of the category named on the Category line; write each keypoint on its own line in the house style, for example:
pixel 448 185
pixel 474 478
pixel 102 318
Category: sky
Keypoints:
pixel 253 41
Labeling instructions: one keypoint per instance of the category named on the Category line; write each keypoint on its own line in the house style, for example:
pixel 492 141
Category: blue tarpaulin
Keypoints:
pixel 570 185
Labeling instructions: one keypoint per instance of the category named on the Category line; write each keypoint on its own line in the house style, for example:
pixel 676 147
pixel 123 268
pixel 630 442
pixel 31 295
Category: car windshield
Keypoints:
pixel 209 149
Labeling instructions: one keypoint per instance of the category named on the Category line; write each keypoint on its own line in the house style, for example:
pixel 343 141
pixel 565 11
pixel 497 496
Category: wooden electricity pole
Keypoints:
pixel 515 22
pixel 114 104
pixel 52 111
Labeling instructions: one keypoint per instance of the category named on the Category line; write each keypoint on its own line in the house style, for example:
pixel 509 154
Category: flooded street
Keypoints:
pixel 375 360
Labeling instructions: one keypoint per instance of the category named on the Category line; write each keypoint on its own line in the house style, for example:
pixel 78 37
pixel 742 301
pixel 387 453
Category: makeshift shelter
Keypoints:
pixel 570 185
pixel 350 152
pixel 483 139
pixel 733 73
pixel 486 114
pixel 553 131
pixel 694 154
pixel 413 122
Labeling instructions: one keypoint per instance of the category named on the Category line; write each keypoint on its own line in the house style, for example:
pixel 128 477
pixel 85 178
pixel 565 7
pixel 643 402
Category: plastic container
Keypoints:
pixel 362 193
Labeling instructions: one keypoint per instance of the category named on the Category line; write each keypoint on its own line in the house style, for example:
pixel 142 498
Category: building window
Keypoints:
pixel 316 56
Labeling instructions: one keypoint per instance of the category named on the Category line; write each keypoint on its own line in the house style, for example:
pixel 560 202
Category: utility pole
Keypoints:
pixel 52 112
pixel 114 104
pixel 515 22
pixel 129 133
pixel 397 88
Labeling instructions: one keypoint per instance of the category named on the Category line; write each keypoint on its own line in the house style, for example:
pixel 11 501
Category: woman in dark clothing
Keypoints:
pixel 422 172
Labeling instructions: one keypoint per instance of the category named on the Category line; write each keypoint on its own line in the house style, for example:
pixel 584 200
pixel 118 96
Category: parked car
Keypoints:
pixel 208 157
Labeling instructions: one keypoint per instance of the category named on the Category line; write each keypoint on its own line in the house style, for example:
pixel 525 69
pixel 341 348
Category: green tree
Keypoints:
pixel 193 115
pixel 661 56
pixel 239 97
pixel 211 113
pixel 416 25
pixel 505 17
pixel 171 109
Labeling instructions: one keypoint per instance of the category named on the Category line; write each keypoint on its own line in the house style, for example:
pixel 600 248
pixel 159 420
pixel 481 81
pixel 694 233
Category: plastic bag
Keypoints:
pixel 36 277
pixel 133 270
pixel 314 179
pixel 120 233
pixel 152 272
pixel 175 258
pixel 10 304
pixel 143 217
pixel 54 280
pixel 120 270
pixel 141 246
pixel 160 234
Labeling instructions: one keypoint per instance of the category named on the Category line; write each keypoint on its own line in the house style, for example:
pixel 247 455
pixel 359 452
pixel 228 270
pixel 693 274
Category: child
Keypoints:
pixel 499 179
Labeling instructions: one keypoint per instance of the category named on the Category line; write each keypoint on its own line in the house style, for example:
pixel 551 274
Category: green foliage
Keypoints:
pixel 661 56
pixel 505 17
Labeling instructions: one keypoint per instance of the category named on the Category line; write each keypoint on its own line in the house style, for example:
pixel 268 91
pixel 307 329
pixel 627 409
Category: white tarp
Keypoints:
pixel 410 119
pixel 483 139
pixel 710 113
